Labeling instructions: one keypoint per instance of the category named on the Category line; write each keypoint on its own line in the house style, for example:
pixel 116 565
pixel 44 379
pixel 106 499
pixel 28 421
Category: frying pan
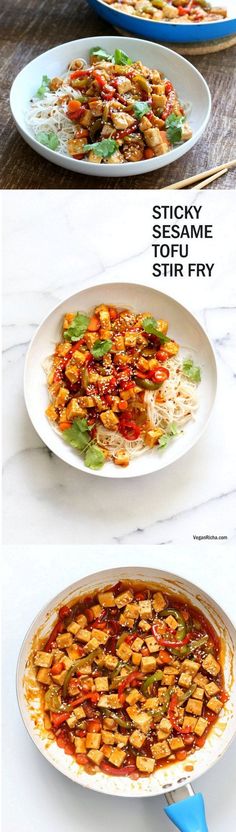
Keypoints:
pixel 185 809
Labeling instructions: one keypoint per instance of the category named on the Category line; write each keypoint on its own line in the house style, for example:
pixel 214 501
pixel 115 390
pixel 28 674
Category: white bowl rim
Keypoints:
pixel 128 471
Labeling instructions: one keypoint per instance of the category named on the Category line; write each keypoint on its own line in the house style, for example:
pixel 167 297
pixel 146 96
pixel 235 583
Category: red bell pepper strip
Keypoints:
pixel 173 718
pixel 127 681
pixel 165 642
pixel 57 719
pixel 124 771
pixel 100 80
pixel 80 73
pixel 59 627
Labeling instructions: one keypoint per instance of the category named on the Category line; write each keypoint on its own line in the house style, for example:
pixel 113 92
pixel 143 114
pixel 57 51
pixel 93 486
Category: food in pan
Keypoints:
pixel 111 111
pixel 178 11
pixel 131 679
pixel 118 385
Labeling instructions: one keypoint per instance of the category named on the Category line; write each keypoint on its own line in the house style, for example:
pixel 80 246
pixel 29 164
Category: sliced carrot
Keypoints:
pixel 65 425
pixel 123 405
pixel 94 324
pixel 164 657
pixel 149 153
pixel 112 313
pixel 181 755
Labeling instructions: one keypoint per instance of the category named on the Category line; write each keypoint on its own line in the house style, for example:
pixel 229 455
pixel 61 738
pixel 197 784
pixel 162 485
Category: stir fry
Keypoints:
pixel 178 11
pixel 117 385
pixel 131 679
pixel 112 111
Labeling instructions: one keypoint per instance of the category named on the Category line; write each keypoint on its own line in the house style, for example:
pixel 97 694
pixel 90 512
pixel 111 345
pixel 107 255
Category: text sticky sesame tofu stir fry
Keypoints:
pixel 112 111
pixel 178 11
pixel 131 679
pixel 118 385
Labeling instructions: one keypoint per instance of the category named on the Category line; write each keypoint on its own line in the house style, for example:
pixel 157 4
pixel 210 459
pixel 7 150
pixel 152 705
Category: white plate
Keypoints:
pixel 169 777
pixel 189 84
pixel 182 326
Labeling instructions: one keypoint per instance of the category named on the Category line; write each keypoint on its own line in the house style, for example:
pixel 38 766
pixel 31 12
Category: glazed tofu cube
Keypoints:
pixel 211 665
pixel 43 676
pixel 124 598
pixel 145 764
pixel 189 722
pixel 144 625
pixel 92 645
pixel 110 701
pixel 100 635
pixel 161 749
pixel 108 738
pixel 148 664
pixel 81 621
pixel 185 680
pixel 96 609
pixel 152 437
pixel 71 722
pixel 168 678
pixel 124 652
pixel 194 706
pixel 176 744
pixel 131 337
pixel 101 683
pixel 145 609
pixel 199 694
pixel 140 718
pixel 200 726
pixel 133 697
pixel 137 739
pixel 79 713
pixel 65 640
pixel 190 667
pixel 137 644
pixel 136 659
pixel 62 397
pixel 42 659
pixel 152 644
pixel 200 680
pixel 86 669
pixel 211 689
pixel 152 137
pixel 72 373
pixel 165 725
pixel 123 84
pixel 80 745
pixel 161 694
pixel 158 602
pixel 110 662
pixel 109 419
pixel 121 740
pixel 171 622
pixel 214 704
pixel 84 636
pixel 73 628
pixel 93 740
pixel 106 599
pixel 117 757
pixel 59 678
pixel 95 756
pixel 151 703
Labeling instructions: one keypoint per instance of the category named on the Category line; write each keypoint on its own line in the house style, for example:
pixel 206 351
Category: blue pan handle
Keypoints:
pixel 187 814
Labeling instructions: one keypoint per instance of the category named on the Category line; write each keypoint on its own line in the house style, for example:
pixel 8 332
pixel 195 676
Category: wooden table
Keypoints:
pixel 29 28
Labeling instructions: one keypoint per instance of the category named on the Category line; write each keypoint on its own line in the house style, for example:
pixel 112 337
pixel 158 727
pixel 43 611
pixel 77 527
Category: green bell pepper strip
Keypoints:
pixel 187 694
pixel 182 627
pixel 187 649
pixel 77 664
pixel 52 701
pixel 155 677
pixel 146 383
pixel 120 721
pixel 161 711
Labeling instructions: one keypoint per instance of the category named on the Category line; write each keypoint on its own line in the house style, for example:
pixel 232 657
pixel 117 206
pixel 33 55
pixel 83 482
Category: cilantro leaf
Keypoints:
pixel 77 327
pixel 174 125
pixel 100 348
pixel 43 87
pixel 94 457
pixel 48 140
pixel 121 58
pixel 78 435
pixel 105 148
pixel 164 440
pixel 150 326
pixel 98 52
pixel 141 108
pixel 191 371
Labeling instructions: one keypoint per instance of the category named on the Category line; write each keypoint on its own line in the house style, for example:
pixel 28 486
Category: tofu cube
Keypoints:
pixel 81 621
pixel 136 659
pixel 148 664
pixel 145 609
pixel 42 659
pixel 73 628
pixel 110 662
pixel 145 764
pixel 211 689
pixel 189 722
pixel 152 644
pixel 161 750
pixel 95 756
pixel 117 757
pixel 101 683
pixel 199 694
pixel 214 705
pixel 109 419
pixel 124 598
pixel 171 622
pixel 84 636
pixel 201 680
pixel 108 738
pixel 200 726
pixel 137 644
pixel 176 743
pixel 133 697
pixel 71 722
pixel 158 602
pixel 211 665
pixel 96 609
pixel 132 611
pixel 185 680
pixel 79 712
pixel 165 725
pixel 151 703
pixel 80 745
pixel 140 718
pixel 137 739
pixel 144 625
pixel 110 701
pixel 100 635
pixel 43 676
pixel 65 640
pixel 91 645
pixel 106 599
pixel 168 678
pixel 93 740
pixel 194 706
pixel 190 667
pixel 124 652
pixel 121 739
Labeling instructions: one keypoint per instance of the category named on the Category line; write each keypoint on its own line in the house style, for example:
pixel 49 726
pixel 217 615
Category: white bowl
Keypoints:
pixel 189 84
pixel 182 326
pixel 167 778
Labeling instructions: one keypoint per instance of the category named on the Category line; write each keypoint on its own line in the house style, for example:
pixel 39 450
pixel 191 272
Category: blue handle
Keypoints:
pixel 189 814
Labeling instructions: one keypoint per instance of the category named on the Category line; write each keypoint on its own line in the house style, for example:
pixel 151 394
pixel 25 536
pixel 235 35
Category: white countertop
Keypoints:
pixel 55 243
pixel 35 795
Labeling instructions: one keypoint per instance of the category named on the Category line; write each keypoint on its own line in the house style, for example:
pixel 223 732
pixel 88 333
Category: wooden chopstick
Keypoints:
pixel 208 181
pixel 183 183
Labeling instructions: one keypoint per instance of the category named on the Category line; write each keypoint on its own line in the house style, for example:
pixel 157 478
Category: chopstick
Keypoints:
pixel 183 183
pixel 209 180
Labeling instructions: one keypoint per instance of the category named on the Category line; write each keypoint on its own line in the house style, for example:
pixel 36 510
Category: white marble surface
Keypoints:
pixel 35 795
pixel 55 243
